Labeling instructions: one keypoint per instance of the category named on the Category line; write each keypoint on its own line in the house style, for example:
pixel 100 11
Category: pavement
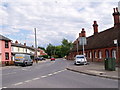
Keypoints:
pixel 95 69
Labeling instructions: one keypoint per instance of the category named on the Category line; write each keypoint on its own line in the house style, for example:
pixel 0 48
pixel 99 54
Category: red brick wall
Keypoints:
pixel 93 59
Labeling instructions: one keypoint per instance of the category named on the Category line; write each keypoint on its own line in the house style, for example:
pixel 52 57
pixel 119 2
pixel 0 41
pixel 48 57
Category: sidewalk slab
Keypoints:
pixel 95 69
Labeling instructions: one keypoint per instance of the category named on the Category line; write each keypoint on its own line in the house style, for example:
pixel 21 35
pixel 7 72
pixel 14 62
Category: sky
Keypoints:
pixel 53 19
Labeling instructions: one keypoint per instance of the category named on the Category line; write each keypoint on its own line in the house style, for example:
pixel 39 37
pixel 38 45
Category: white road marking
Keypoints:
pixel 18 83
pixel 27 80
pixel 39 77
pixel 43 76
pixel 50 74
pixel 35 78
pixel 4 87
pixel 55 72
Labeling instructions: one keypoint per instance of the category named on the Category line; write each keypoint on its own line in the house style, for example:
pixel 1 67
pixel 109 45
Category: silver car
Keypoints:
pixel 80 59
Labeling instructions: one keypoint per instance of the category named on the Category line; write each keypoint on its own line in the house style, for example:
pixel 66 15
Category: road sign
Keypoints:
pixel 82 41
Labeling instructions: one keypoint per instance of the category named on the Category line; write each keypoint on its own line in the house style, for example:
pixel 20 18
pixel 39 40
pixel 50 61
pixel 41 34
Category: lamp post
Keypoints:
pixel 116 43
pixel 77 46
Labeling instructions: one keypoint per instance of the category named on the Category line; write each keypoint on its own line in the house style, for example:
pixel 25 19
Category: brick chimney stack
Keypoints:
pixel 95 27
pixel 16 42
pixel 83 33
pixel 24 44
pixel 116 16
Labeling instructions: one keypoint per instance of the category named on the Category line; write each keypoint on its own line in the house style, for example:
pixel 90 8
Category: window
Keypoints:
pixel 90 54
pixel 107 54
pixel 99 54
pixel 95 54
pixel 114 54
pixel 7 56
pixel 6 44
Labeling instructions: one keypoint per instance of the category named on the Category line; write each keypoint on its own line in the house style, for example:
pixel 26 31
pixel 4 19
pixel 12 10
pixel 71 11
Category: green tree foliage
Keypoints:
pixel 41 48
pixel 65 47
pixel 50 50
pixel 61 50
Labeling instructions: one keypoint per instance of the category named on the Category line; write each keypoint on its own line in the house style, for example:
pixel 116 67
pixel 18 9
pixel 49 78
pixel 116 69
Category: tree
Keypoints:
pixel 50 50
pixel 41 48
pixel 66 46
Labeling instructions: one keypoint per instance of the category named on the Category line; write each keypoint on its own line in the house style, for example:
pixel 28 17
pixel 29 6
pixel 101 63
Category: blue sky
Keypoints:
pixel 54 19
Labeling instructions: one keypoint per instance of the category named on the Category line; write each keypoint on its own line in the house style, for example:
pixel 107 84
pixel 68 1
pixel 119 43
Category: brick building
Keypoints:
pixel 5 50
pixel 100 45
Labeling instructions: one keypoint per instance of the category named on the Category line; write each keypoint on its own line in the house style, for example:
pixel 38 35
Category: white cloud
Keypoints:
pixel 54 19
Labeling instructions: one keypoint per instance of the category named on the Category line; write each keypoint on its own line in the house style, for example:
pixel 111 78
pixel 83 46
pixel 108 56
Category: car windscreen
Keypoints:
pixel 80 57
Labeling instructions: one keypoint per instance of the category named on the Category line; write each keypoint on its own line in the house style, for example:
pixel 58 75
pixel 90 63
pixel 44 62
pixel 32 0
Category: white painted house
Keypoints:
pixel 18 48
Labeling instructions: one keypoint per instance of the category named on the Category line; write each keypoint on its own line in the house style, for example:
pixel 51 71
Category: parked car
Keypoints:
pixel 80 60
pixel 23 60
pixel 42 58
pixel 52 59
pixel 39 58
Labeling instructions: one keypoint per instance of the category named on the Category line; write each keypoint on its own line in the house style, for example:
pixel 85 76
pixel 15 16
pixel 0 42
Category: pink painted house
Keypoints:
pixel 5 50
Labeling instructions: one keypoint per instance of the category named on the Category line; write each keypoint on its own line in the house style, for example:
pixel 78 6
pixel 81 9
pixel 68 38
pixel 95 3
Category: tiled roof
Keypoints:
pixel 21 45
pixel 103 39
pixel 4 38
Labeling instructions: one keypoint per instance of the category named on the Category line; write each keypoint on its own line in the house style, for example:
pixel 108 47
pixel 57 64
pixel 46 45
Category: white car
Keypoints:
pixel 80 59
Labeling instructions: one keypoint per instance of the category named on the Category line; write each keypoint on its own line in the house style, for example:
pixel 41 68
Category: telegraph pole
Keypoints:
pixel 35 43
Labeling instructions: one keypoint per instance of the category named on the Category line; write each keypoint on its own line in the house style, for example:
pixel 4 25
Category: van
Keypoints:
pixel 80 59
pixel 23 59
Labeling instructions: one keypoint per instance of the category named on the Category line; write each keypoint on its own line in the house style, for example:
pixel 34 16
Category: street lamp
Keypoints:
pixel 116 43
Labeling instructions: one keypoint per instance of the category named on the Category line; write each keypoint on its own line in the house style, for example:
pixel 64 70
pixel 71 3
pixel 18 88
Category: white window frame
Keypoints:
pixel 114 54
pixel 100 54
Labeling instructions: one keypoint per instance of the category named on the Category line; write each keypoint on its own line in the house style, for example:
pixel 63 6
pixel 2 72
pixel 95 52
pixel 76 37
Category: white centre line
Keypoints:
pixel 43 76
pixel 27 81
pixel 35 78
pixel 50 74
pixel 4 87
pixel 18 83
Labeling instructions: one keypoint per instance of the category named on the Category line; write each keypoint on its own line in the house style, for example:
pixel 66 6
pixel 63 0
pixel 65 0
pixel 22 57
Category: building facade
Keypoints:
pixel 100 45
pixel 17 48
pixel 40 52
pixel 5 50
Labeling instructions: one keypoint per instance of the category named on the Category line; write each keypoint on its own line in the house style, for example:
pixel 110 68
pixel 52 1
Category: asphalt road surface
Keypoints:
pixel 51 74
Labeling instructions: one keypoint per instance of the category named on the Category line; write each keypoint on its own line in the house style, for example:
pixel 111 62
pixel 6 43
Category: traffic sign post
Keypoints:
pixel 83 41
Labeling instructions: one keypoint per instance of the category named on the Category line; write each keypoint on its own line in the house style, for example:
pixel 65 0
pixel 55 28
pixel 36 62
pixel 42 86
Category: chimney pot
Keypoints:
pixel 114 10
pixel 95 22
pixel 24 44
pixel 117 10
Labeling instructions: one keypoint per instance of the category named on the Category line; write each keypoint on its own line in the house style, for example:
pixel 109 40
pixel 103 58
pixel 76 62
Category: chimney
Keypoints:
pixel 83 33
pixel 116 16
pixel 95 27
pixel 80 35
pixel 16 42
pixel 24 44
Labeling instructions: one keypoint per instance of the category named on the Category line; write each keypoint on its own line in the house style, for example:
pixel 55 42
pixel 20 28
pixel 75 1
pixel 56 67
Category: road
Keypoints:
pixel 51 74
